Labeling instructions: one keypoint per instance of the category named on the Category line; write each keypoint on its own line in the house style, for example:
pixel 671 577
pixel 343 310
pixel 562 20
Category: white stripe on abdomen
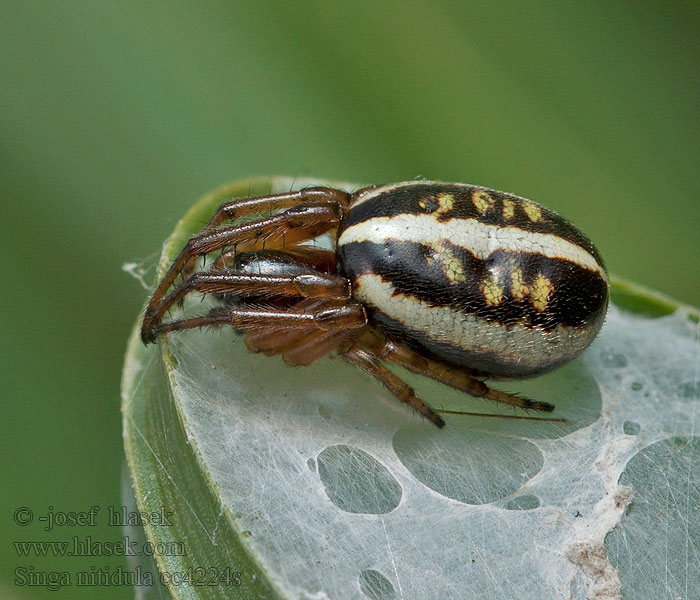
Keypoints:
pixel 480 239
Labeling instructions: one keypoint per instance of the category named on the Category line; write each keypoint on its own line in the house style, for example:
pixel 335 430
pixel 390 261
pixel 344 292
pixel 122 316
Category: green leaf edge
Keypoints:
pixel 151 486
pixel 636 298
pixel 184 483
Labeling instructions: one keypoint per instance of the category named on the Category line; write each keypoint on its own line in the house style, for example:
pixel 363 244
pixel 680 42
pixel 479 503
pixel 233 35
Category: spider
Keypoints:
pixel 451 281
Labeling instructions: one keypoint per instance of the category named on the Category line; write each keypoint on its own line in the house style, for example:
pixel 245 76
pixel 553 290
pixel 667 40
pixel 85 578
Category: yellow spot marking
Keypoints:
pixel 446 203
pixel 540 291
pixel 482 201
pixel 452 266
pixel 532 211
pixel 450 263
pixel 518 288
pixel 493 292
pixel 508 209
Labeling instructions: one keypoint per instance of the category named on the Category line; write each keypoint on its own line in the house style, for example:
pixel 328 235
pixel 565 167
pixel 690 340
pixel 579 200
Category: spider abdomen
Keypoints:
pixel 478 278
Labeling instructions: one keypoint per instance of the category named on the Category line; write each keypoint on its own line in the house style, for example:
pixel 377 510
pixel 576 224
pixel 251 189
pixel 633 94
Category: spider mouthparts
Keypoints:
pixel 147 337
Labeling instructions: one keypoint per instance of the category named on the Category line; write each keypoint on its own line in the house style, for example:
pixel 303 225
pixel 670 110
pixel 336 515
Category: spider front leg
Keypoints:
pixel 305 285
pixel 250 205
pixel 297 224
pixel 240 207
pixel 326 315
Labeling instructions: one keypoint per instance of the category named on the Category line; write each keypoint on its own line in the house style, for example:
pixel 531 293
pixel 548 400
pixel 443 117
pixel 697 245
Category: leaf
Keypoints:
pixel 312 483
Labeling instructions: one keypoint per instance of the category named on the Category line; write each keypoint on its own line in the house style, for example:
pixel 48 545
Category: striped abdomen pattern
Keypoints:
pixel 481 279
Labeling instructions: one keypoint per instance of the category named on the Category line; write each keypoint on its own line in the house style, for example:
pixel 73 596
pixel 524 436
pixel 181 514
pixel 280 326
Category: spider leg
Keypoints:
pixel 327 316
pixel 301 222
pixel 240 207
pixel 302 346
pixel 315 345
pixel 451 376
pixel 371 363
pixel 312 284
pixel 273 340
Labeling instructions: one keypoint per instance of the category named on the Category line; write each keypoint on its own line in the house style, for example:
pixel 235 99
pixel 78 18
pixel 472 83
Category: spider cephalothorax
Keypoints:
pixel 450 281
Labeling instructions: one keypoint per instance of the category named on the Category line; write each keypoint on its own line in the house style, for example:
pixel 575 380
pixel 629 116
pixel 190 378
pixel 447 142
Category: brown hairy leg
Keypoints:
pixel 372 364
pixel 300 223
pixel 241 207
pixel 452 376
pixel 325 317
pixel 304 285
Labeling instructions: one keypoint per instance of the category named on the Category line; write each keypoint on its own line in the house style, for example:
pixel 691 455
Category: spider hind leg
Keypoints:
pixel 371 364
pixel 453 377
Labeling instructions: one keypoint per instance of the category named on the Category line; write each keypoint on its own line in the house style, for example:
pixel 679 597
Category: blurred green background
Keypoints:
pixel 115 117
